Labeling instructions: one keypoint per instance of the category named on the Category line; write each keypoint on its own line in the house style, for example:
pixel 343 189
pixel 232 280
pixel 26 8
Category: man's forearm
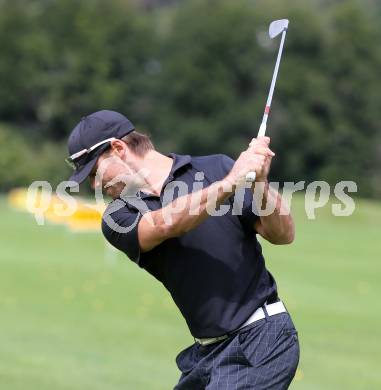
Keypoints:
pixel 278 227
pixel 187 212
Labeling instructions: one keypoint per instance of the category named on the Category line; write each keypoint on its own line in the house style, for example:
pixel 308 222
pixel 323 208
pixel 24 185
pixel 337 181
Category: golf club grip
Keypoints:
pixel 251 176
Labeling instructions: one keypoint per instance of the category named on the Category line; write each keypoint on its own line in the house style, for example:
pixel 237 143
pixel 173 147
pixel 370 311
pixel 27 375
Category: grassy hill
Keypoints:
pixel 74 314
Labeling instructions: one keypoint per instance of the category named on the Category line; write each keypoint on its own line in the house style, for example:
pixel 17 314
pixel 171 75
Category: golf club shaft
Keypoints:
pixel 251 176
pixel 273 81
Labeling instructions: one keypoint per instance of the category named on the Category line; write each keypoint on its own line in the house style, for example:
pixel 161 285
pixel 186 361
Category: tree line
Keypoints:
pixel 195 75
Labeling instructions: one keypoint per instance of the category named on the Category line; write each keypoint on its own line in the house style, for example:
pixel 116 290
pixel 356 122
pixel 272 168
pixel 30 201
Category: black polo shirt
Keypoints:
pixel 215 273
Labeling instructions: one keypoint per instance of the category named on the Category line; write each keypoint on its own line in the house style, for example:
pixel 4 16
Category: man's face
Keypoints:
pixel 103 174
pixel 114 176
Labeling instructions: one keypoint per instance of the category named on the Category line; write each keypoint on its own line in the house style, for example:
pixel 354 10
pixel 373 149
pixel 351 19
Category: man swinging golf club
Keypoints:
pixel 165 216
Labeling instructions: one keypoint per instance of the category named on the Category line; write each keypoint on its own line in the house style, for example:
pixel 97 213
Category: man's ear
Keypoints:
pixel 118 148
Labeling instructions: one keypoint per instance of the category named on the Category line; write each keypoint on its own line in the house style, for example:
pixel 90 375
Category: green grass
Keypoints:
pixel 76 315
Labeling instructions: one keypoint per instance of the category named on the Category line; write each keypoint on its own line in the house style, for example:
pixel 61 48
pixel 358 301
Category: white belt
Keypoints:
pixel 259 314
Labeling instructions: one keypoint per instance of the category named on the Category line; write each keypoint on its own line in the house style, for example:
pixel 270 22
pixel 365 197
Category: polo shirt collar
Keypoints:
pixel 179 162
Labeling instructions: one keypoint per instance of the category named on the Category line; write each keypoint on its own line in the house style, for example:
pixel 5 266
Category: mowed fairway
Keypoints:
pixel 76 315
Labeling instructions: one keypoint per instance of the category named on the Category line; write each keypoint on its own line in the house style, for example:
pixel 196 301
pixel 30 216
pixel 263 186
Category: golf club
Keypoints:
pixel 276 27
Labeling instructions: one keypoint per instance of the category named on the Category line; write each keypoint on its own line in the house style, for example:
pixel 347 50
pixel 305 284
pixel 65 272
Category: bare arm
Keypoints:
pixel 278 227
pixel 181 215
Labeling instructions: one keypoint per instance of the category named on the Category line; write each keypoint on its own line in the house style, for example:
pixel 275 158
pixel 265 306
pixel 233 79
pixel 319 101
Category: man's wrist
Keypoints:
pixel 262 180
pixel 261 188
pixel 229 183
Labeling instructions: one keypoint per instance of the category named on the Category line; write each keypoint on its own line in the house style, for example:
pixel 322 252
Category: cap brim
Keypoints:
pixel 80 175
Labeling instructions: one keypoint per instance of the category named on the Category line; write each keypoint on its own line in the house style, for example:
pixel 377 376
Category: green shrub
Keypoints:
pixel 22 162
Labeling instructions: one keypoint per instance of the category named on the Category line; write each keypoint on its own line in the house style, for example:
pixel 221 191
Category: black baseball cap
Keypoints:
pixel 91 137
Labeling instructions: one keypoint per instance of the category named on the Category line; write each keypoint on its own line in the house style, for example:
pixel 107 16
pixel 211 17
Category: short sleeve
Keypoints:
pixel 120 228
pixel 243 205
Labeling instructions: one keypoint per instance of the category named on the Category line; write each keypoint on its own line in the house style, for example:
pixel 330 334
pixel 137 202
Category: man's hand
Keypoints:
pixel 256 158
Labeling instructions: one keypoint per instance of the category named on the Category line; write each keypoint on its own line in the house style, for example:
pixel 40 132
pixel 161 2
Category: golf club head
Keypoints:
pixel 277 26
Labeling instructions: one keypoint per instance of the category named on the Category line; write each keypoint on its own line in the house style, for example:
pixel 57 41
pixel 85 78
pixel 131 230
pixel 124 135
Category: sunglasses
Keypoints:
pixel 74 160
